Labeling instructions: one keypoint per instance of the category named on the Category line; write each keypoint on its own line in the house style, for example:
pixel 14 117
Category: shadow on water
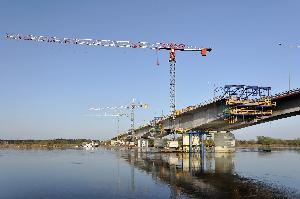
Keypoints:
pixel 76 163
pixel 186 174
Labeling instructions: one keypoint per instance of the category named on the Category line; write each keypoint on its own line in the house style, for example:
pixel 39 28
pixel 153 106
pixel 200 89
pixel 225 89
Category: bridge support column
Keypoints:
pixel 200 145
pixel 202 152
pixel 190 143
pixel 224 142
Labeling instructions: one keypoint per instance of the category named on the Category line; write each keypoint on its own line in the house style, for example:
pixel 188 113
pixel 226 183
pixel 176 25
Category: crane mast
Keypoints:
pixel 171 47
pixel 132 107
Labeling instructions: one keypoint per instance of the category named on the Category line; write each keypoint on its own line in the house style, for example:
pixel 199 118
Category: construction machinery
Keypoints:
pixel 246 103
pixel 132 107
pixel 156 126
pixel 171 47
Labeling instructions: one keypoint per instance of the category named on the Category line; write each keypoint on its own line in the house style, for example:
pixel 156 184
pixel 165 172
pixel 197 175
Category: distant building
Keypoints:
pixel 172 144
pixel 113 142
pixel 117 143
pixel 142 143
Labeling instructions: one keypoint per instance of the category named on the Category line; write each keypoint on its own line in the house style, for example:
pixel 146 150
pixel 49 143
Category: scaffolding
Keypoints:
pixel 156 126
pixel 246 103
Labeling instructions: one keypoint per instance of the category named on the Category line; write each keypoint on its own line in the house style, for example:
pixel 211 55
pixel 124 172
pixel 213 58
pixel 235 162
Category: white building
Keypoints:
pixel 143 143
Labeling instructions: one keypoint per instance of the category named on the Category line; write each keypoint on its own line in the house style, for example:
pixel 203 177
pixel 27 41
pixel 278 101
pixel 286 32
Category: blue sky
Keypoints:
pixel 46 89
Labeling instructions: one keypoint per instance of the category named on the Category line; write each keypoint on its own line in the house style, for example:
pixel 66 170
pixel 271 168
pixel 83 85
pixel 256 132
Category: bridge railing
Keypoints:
pixel 293 91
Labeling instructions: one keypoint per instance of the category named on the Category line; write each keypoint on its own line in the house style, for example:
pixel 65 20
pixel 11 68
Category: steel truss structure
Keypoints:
pixel 245 92
pixel 246 103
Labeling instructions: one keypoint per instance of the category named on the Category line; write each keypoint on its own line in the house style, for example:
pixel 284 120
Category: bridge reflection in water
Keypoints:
pixel 187 175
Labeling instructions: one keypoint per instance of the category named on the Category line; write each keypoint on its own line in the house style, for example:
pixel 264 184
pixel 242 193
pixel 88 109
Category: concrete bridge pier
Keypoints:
pixel 224 141
pixel 200 144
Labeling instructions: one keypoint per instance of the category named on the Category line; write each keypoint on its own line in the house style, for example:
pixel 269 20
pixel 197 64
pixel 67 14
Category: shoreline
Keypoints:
pixel 159 150
pixel 24 147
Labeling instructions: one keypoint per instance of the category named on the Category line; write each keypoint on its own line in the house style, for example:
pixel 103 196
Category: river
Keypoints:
pixel 112 173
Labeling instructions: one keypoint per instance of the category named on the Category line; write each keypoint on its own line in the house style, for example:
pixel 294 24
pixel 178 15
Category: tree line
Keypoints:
pixel 46 143
pixel 264 140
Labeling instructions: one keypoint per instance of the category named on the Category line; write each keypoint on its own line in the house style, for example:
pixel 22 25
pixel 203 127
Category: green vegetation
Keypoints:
pixel 268 141
pixel 209 143
pixel 151 143
pixel 55 143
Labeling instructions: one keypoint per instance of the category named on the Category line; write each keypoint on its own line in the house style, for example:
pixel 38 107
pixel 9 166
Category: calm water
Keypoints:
pixel 106 173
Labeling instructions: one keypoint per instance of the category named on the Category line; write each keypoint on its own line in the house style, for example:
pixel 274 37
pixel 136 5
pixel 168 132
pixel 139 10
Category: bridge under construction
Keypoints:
pixel 240 106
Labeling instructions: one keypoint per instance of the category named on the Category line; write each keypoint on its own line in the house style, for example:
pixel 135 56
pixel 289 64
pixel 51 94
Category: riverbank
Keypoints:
pixel 261 142
pixel 37 146
pixel 257 146
pixel 149 149
pixel 43 144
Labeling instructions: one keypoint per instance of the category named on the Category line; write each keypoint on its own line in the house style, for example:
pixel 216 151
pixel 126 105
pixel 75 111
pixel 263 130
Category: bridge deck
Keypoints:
pixel 209 117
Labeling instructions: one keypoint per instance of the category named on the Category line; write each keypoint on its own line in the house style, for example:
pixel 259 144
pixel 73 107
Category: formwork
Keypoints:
pixel 246 103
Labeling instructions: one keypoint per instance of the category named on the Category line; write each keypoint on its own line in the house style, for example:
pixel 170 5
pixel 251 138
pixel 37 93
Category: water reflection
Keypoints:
pixel 112 173
pixel 187 173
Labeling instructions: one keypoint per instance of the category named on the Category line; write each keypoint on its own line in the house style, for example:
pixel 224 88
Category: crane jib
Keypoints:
pixel 105 43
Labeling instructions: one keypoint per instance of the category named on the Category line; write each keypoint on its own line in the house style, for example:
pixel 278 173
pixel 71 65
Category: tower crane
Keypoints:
pixel 171 47
pixel 132 107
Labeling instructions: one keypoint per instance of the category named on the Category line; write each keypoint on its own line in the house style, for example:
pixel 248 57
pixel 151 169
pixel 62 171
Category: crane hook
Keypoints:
pixel 157 61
